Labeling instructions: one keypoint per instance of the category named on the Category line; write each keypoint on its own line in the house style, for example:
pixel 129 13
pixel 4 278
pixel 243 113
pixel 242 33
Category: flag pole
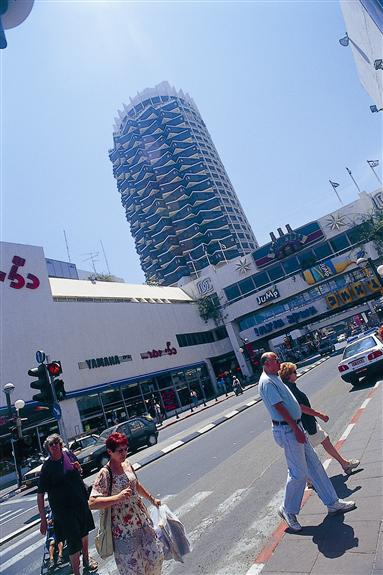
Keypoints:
pixel 334 186
pixel 206 254
pixel 372 164
pixel 353 179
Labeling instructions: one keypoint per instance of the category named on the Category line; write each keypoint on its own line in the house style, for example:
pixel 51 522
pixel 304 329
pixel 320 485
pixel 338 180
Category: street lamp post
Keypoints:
pixel 8 389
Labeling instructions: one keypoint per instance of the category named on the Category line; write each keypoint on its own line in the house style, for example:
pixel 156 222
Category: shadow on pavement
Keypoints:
pixel 333 537
pixel 340 484
pixel 365 383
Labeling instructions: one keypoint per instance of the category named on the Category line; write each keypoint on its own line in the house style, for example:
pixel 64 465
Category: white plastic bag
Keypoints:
pixel 171 533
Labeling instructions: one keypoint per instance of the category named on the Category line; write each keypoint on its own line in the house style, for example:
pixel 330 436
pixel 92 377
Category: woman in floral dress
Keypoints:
pixel 137 550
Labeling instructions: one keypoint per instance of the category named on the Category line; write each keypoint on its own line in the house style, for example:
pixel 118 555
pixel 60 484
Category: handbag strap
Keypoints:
pixel 111 479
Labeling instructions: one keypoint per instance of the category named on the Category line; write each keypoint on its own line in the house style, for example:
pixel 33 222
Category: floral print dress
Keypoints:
pixel 137 550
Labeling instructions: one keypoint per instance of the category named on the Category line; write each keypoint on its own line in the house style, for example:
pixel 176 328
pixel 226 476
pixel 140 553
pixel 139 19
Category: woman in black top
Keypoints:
pixel 60 477
pixel 316 435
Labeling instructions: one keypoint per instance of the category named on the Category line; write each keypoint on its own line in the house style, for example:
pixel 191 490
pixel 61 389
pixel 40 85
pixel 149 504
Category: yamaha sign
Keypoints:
pixel 271 294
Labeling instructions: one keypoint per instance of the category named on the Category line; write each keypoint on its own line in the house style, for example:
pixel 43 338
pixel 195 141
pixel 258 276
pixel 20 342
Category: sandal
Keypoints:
pixel 90 565
pixel 352 464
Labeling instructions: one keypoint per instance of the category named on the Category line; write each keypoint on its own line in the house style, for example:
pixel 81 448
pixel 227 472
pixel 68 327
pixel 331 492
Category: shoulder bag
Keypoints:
pixel 104 540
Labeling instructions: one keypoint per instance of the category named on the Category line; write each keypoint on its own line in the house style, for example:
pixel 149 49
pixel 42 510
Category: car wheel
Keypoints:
pixel 152 440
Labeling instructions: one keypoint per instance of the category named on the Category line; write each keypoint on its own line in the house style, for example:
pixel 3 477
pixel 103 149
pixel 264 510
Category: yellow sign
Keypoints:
pixel 353 292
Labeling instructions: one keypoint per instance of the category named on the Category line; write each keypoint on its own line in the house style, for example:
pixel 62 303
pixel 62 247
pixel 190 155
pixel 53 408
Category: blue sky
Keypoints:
pixel 279 95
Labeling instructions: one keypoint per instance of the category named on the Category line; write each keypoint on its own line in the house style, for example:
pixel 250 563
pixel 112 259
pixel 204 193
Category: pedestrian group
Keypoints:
pixel 126 527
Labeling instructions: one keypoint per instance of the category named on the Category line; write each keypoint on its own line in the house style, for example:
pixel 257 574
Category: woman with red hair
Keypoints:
pixel 137 550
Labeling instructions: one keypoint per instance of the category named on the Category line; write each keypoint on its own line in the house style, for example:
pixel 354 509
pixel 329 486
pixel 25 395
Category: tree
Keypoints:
pixel 371 229
pixel 210 307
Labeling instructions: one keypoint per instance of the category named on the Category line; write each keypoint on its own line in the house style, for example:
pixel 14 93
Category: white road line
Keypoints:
pixel 250 403
pixel 136 466
pixel 223 509
pixel 365 402
pixel 231 413
pixel 206 428
pixel 255 569
pixel 327 463
pixel 6 513
pixel 347 431
pixel 15 501
pixel 16 558
pixel 172 446
pixel 22 541
pixel 192 502
pixel 17 514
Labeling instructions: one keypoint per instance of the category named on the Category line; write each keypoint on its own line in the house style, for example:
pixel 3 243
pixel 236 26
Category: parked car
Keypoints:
pixel 81 442
pixel 326 346
pixel 31 477
pixel 361 357
pixel 342 337
pixel 139 431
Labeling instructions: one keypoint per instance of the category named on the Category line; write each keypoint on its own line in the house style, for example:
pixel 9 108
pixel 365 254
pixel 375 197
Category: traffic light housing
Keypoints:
pixel 42 383
pixel 55 369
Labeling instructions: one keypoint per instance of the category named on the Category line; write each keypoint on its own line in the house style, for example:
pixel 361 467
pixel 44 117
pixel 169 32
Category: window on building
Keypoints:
pixel 261 279
pixel 276 273
pixel 339 243
pixel 232 292
pixel 246 286
pixel 291 265
pixel 322 251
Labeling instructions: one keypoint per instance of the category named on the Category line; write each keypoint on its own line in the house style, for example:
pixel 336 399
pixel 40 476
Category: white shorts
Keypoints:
pixel 318 437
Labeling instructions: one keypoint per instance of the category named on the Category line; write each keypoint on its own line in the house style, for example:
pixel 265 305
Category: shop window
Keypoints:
pixel 323 251
pixel 339 243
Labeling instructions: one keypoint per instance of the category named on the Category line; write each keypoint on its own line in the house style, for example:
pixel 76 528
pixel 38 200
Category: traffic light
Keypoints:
pixel 42 383
pixel 55 370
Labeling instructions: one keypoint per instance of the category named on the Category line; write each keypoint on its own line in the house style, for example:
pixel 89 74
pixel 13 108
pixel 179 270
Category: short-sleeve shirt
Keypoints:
pixel 308 421
pixel 272 390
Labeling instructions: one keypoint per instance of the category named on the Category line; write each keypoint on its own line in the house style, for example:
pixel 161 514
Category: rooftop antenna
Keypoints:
pixel 105 258
pixel 93 257
pixel 67 247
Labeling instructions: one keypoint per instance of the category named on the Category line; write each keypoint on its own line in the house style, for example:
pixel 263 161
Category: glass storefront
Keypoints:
pixel 171 390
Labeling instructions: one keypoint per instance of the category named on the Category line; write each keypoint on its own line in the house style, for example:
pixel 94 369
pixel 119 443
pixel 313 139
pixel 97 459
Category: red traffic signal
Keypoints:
pixel 54 368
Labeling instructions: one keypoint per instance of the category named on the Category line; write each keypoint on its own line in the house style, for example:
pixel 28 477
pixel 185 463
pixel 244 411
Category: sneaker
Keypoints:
pixel 341 506
pixel 51 565
pixel 90 565
pixel 352 464
pixel 60 561
pixel 290 519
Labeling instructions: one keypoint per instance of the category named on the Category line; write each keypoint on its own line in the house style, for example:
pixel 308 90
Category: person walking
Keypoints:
pixel 60 478
pixel 316 435
pixel 137 550
pixel 302 461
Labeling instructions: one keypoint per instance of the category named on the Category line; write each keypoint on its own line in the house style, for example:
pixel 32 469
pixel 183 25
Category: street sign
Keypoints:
pixel 40 356
pixel 56 411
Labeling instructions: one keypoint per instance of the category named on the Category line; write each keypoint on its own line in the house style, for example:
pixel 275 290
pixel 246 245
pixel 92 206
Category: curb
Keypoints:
pixel 278 534
pixel 168 449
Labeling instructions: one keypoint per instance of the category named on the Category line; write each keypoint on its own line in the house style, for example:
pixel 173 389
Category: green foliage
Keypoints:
pixel 210 307
pixel 371 229
pixel 101 277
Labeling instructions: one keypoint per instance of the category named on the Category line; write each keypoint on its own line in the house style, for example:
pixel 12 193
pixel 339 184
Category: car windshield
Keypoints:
pixel 88 441
pixel 104 435
pixel 359 346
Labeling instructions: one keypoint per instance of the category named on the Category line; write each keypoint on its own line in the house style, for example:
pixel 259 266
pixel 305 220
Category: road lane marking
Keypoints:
pixel 231 414
pixel 16 558
pixel 172 446
pixel 23 540
pixel 252 402
pixel 365 402
pixel 346 432
pixel 206 428
pixel 192 502
pixel 17 514
pixel 223 509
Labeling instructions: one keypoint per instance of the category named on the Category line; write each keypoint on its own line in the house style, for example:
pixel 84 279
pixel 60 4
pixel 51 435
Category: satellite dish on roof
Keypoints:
pixel 12 13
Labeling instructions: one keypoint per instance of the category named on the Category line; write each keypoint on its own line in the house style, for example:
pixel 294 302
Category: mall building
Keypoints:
pixel 119 344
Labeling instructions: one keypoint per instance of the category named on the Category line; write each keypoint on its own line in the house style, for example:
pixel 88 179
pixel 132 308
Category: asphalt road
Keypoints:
pixel 225 486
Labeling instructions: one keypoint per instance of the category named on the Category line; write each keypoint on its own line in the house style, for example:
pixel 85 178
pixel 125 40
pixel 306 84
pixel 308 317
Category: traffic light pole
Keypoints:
pixel 60 422
pixel 17 465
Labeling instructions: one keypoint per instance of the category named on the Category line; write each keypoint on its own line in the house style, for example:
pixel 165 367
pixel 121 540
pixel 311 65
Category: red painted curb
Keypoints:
pixel 277 535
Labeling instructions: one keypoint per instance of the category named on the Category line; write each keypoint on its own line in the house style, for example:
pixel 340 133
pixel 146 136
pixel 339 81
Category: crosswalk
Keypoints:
pixel 24 556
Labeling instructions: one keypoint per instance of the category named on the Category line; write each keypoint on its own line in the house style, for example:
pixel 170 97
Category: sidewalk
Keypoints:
pixel 351 543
